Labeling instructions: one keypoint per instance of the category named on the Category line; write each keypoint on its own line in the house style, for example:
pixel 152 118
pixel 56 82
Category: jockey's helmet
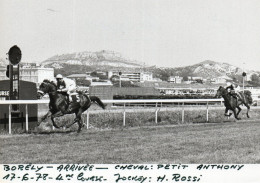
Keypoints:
pixel 59 76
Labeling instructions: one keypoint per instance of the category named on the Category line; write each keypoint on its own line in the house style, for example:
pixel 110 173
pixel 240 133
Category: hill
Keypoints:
pixel 101 59
pixel 207 69
pixel 109 60
pixel 81 62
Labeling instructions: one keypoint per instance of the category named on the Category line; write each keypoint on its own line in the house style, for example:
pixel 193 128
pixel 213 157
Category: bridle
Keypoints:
pixel 43 93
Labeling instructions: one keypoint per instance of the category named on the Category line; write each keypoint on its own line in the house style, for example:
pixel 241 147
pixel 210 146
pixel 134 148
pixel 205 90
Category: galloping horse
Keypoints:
pixel 59 106
pixel 231 103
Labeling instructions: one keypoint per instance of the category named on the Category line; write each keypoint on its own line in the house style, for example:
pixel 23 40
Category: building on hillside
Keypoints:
pixel 194 78
pixel 146 76
pixel 92 78
pixel 221 80
pixel 32 74
pixel 77 76
pixel 99 83
pixel 132 76
pixel 37 74
pixel 187 91
pixel 175 79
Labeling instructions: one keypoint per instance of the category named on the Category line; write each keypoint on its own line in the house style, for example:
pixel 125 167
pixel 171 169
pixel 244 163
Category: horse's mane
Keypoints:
pixel 50 82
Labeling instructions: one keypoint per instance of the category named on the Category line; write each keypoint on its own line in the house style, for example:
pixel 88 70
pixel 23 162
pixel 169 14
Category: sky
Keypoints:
pixel 165 33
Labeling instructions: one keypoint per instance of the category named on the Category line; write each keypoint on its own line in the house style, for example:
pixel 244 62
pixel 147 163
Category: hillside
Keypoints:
pixel 102 59
pixel 206 69
pixel 108 60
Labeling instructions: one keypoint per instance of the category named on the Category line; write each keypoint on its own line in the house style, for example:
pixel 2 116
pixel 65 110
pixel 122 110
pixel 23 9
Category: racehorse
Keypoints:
pixel 231 102
pixel 59 106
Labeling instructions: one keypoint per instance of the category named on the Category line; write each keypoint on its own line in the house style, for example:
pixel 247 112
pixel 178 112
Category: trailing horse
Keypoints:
pixel 59 106
pixel 231 102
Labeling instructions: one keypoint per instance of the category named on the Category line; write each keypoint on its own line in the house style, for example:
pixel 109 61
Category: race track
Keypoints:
pixel 226 142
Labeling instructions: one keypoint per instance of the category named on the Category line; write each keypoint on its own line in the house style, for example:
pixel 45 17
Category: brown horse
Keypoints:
pixel 231 102
pixel 59 106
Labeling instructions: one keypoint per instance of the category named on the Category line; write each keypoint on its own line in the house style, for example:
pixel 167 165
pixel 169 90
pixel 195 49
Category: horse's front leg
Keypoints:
pixel 235 113
pixel 58 114
pixel 44 117
pixel 239 109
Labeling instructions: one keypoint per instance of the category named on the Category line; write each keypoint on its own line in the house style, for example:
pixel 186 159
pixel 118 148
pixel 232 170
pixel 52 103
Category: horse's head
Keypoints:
pixel 46 87
pixel 221 91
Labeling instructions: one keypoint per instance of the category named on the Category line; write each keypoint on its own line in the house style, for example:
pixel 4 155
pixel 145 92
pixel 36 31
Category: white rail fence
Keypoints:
pixel 157 103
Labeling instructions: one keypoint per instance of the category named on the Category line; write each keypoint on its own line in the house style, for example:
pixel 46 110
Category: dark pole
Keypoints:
pixel 120 73
pixel 11 81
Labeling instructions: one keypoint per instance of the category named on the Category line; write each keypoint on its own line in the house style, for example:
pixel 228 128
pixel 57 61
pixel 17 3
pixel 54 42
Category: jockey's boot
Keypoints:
pixel 234 95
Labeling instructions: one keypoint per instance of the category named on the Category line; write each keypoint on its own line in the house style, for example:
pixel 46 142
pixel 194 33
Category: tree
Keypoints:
pixel 100 76
pixel 185 78
pixel 83 82
pixel 114 79
pixel 255 80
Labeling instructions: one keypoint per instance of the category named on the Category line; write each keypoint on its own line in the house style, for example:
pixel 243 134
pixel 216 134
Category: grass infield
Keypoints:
pixel 228 142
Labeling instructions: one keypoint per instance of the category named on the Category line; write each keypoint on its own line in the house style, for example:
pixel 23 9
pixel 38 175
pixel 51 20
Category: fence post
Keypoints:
pixel 87 119
pixel 182 116
pixel 26 118
pixel 156 112
pixel 207 111
pixel 10 118
pixel 124 116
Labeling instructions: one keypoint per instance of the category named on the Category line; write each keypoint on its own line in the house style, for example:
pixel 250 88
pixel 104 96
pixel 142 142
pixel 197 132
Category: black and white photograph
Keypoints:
pixel 130 82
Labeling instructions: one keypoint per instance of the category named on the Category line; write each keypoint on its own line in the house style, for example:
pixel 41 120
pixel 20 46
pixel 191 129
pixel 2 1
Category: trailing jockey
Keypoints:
pixel 65 86
pixel 233 90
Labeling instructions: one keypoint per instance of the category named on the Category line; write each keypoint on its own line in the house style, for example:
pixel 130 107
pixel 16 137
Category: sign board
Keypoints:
pixel 4 93
pixel 15 55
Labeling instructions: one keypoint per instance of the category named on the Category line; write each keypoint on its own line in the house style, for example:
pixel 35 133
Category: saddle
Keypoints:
pixel 77 96
pixel 237 96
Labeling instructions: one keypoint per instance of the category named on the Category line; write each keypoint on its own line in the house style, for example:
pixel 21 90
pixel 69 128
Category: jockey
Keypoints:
pixel 233 89
pixel 65 86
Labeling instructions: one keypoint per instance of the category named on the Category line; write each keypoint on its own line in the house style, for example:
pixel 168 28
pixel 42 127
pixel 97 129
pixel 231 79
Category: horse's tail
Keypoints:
pixel 248 96
pixel 98 101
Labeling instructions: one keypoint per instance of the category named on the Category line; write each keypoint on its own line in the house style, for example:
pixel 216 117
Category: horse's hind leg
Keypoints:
pixel 248 108
pixel 77 120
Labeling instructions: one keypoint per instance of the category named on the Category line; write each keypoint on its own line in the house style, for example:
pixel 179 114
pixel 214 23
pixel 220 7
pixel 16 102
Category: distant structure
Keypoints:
pixel 77 76
pixel 221 80
pixel 31 72
pixel 175 79
pixel 132 76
